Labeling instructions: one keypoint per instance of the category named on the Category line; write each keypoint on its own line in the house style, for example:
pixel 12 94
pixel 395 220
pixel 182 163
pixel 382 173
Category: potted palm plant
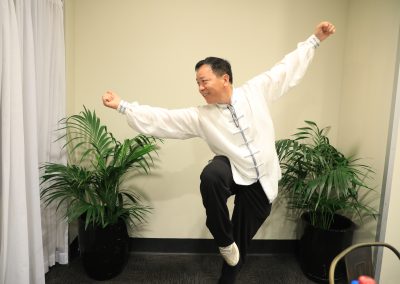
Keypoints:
pixel 92 190
pixel 328 190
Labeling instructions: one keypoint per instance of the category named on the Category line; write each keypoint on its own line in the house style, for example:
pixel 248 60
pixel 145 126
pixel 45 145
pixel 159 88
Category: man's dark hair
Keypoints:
pixel 218 65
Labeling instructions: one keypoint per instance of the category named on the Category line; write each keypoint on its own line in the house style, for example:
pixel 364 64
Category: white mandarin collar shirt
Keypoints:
pixel 242 130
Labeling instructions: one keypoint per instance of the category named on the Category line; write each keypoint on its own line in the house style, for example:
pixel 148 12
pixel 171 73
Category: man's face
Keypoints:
pixel 211 86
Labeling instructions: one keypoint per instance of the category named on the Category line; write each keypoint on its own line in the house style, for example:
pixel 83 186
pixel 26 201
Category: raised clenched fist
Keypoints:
pixel 111 100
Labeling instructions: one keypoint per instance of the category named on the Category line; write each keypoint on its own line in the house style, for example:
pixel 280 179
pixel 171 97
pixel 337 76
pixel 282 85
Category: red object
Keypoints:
pixel 366 280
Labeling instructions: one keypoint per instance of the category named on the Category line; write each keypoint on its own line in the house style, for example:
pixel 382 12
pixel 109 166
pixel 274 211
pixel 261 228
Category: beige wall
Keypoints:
pixel 146 51
pixel 368 76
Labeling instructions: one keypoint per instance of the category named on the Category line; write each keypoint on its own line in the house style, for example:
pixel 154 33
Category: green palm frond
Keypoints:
pixel 318 179
pixel 85 132
pixel 91 186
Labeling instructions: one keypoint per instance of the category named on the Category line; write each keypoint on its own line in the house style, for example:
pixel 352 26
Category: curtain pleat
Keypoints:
pixel 50 50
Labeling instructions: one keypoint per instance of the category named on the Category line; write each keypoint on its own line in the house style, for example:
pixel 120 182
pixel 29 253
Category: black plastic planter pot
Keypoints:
pixel 319 247
pixel 104 251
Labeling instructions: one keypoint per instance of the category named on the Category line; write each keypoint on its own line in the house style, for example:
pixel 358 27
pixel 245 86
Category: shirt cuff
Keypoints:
pixel 122 106
pixel 314 41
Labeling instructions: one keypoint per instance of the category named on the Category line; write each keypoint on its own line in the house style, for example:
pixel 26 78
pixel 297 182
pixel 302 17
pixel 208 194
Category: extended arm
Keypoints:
pixel 158 122
pixel 289 71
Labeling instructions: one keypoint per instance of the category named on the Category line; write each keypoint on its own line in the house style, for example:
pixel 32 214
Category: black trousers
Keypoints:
pixel 251 209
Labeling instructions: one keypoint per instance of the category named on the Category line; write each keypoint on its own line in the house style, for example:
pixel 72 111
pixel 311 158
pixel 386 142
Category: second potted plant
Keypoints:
pixel 327 189
pixel 91 188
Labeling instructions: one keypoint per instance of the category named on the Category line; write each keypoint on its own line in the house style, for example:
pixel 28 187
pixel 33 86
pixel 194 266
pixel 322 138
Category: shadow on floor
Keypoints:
pixel 187 268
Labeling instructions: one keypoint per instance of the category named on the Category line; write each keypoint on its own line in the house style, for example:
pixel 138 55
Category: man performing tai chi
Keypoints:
pixel 237 126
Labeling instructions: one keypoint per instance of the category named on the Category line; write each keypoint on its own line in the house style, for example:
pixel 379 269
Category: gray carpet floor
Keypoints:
pixel 187 268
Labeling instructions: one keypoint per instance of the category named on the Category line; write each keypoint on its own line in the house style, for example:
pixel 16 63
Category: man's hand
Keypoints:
pixel 324 30
pixel 111 100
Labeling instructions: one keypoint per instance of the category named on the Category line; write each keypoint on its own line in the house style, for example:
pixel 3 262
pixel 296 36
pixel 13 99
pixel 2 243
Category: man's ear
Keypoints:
pixel 226 79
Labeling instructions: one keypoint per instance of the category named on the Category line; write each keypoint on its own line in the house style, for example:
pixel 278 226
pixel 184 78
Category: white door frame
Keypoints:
pixel 389 165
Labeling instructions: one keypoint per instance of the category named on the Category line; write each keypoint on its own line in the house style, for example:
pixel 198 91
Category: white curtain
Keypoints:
pixel 32 85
